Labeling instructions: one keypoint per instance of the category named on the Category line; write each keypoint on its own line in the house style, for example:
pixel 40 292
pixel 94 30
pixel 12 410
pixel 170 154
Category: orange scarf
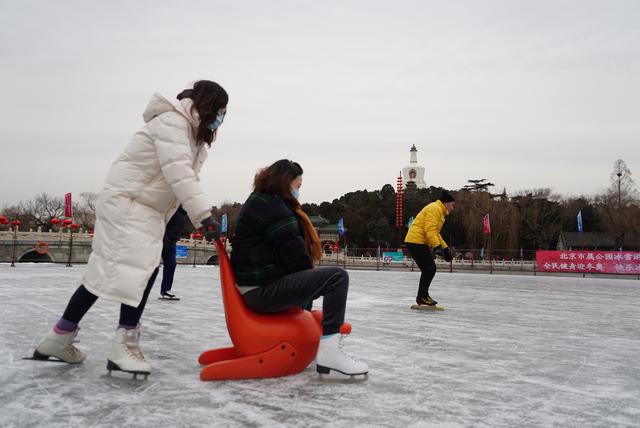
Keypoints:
pixel 311 238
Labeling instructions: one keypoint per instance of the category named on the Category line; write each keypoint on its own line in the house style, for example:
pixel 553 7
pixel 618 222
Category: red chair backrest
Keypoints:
pixel 252 333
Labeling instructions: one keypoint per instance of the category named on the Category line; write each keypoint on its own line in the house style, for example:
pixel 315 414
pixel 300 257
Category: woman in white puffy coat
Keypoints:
pixel 156 173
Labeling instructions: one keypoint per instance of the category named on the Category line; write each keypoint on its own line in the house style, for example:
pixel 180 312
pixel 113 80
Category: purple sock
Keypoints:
pixel 127 327
pixel 63 326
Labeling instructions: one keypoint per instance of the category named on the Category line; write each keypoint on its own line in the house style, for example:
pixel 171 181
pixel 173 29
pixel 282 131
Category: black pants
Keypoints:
pixel 171 236
pixel 83 299
pixel 168 266
pixel 297 288
pixel 423 258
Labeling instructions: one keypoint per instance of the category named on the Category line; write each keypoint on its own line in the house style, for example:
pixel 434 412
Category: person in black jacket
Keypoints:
pixel 275 247
pixel 171 236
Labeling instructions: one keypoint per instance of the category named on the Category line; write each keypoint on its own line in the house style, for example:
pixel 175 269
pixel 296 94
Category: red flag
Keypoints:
pixel 486 224
pixel 68 211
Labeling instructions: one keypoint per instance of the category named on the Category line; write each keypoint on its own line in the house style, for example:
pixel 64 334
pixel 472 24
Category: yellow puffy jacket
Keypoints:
pixel 425 228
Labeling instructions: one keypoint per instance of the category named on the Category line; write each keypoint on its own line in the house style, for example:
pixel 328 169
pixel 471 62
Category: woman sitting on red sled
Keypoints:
pixel 274 250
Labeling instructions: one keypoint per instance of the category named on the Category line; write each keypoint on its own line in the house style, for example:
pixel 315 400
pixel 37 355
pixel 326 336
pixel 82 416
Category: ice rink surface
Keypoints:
pixel 507 351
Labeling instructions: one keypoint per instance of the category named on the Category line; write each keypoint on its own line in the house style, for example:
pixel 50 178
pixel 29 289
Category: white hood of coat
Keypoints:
pixel 158 104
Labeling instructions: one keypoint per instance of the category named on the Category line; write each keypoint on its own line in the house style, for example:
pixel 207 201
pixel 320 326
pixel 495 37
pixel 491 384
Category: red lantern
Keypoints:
pixel 16 222
pixel 74 225
pixel 90 232
pixel 2 219
pixel 66 222
pixel 55 221
pixel 198 236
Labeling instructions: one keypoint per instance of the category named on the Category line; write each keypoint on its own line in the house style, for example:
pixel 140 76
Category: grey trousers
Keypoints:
pixel 297 288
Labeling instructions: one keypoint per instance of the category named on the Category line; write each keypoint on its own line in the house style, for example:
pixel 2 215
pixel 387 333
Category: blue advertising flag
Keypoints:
pixel 341 226
pixel 580 221
pixel 224 223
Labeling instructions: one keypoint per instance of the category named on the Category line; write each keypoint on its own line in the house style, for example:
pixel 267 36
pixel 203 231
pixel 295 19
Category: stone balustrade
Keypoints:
pixel 58 243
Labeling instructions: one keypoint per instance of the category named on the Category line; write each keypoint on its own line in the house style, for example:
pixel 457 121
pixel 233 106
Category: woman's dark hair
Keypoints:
pixel 208 97
pixel 276 180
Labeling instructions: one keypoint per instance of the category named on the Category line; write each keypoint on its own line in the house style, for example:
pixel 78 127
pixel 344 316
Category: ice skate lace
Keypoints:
pixel 340 345
pixel 71 349
pixel 135 352
pixel 132 346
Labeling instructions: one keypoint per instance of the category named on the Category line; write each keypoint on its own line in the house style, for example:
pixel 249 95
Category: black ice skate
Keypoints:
pixel 426 304
pixel 426 301
pixel 168 296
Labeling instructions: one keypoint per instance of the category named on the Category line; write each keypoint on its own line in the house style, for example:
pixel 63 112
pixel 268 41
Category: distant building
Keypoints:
pixel 501 196
pixel 318 221
pixel 413 174
pixel 327 232
pixel 601 241
pixel 586 241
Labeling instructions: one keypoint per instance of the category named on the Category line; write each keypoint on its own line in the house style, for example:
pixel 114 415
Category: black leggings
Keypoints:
pixel 423 258
pixel 83 299
pixel 301 287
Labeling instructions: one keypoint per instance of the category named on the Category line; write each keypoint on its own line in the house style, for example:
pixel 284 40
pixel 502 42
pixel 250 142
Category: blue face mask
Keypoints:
pixel 295 192
pixel 216 124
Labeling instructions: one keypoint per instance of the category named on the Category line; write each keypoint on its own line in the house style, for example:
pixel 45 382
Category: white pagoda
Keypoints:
pixel 413 174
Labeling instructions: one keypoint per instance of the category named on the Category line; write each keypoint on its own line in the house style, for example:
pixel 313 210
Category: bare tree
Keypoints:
pixel 622 185
pixel 505 221
pixel 470 208
pixel 15 212
pixel 42 209
pixel 85 211
pixel 618 206
pixel 89 199
pixel 540 217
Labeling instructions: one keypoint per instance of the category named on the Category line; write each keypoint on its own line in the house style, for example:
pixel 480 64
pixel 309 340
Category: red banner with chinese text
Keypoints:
pixel 68 209
pixel 486 224
pixel 620 262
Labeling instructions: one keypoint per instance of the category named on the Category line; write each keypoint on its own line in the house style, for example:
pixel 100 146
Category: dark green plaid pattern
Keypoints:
pixel 268 241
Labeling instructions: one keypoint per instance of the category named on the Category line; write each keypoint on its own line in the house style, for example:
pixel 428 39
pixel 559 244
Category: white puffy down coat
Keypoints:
pixel 156 172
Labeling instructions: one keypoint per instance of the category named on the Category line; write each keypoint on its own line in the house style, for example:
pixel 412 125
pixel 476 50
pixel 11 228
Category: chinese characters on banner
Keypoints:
pixel 68 209
pixel 620 262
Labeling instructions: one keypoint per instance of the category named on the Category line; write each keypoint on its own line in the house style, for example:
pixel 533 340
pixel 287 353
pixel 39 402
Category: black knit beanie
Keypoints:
pixel 446 197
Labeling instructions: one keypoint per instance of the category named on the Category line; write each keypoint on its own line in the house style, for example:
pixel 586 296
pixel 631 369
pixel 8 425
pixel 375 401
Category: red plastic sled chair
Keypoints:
pixel 264 345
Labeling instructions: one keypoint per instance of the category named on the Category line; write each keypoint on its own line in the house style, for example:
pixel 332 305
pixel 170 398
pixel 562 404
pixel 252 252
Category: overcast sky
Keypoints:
pixel 527 94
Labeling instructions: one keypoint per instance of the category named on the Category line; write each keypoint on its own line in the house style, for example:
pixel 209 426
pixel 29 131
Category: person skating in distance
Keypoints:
pixel 423 237
pixel 169 247
pixel 275 247
pixel 157 171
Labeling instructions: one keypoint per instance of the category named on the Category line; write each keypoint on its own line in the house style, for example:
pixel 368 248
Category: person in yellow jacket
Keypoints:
pixel 423 237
